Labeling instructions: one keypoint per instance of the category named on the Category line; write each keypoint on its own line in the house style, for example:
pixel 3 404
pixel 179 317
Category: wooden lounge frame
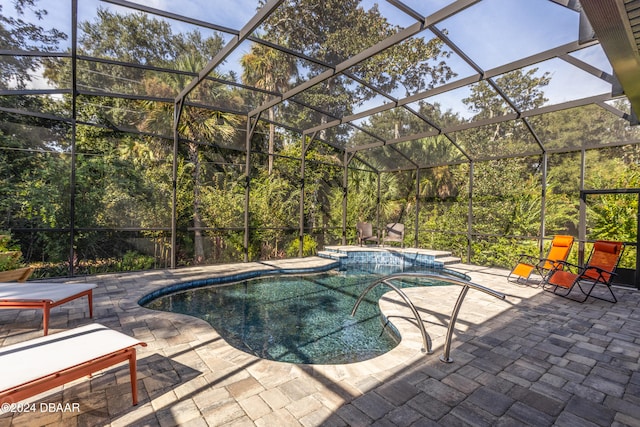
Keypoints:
pixel 103 347
pixel 16 275
pixel 43 296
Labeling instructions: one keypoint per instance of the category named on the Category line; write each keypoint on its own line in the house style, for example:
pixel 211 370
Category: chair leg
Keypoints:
pixel 565 294
pixel 586 294
pixel 593 285
pixel 514 278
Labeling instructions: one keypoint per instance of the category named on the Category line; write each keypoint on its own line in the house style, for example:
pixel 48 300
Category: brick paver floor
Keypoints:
pixel 531 359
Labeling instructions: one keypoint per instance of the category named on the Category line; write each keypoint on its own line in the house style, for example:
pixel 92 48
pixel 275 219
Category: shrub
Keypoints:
pixel 309 247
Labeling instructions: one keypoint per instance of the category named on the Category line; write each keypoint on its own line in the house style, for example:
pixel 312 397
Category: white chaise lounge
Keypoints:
pixel 35 366
pixel 44 296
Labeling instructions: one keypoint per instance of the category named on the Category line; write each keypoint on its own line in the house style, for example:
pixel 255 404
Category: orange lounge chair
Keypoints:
pixel 599 269
pixel 44 296
pixel 364 231
pixel 35 366
pixel 528 265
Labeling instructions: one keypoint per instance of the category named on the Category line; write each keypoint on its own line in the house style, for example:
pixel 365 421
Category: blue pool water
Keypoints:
pixel 298 319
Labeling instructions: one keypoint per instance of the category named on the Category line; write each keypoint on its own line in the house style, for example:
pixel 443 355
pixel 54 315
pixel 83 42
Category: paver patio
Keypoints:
pixel 532 359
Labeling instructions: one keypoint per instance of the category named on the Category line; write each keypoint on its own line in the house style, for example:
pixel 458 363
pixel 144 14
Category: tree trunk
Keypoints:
pixel 198 246
pixel 272 137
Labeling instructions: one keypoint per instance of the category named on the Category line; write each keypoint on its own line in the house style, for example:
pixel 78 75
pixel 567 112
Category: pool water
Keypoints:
pixel 298 319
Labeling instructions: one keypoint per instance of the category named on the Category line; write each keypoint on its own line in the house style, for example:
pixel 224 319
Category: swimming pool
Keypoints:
pixel 297 319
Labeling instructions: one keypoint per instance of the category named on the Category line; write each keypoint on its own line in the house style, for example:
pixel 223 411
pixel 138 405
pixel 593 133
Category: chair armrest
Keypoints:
pixel 554 262
pixel 561 265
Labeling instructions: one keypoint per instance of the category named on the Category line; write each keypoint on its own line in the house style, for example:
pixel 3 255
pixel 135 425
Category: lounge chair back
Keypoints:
pixel 605 255
pixel 559 251
pixel 365 229
pixel 364 232
pixel 394 233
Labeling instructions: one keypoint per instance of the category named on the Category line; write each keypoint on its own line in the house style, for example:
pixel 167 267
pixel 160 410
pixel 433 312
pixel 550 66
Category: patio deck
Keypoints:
pixel 534 358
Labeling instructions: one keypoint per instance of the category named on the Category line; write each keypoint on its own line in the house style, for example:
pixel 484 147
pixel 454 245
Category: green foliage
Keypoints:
pixel 309 247
pixel 130 261
pixel 501 251
pixel 133 261
pixel 10 254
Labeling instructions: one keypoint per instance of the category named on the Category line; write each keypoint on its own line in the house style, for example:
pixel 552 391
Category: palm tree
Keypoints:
pixel 196 125
pixel 270 70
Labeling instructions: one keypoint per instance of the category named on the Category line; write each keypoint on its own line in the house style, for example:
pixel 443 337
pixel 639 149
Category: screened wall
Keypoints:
pixel 139 137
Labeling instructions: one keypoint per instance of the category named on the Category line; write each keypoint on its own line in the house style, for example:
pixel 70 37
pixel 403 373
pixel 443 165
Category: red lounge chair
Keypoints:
pixel 528 265
pixel 600 269
pixel 35 366
pixel 43 295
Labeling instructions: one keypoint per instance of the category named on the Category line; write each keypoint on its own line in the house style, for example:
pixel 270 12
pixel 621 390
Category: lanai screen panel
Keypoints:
pixel 32 77
pixel 336 97
pixel 103 77
pixel 298 116
pixel 398 122
pixel 232 17
pixel 358 137
pixel 51 106
pixel 216 94
pixel 431 151
pixel 587 126
pixel 594 56
pixel 35 134
pixel 125 114
pixel 497 32
pixel 411 67
pixel 143 36
pixel 326 26
pixel 263 72
pixel 558 81
pixel 502 139
pixel 386 159
pixel 342 135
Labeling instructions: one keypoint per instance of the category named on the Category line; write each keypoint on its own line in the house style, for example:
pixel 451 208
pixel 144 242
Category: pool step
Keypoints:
pixel 342 252
pixel 447 260
pixel 332 255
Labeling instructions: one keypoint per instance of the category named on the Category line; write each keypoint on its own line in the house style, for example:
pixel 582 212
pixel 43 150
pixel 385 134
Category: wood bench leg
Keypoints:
pixel 90 298
pixel 46 310
pixel 133 375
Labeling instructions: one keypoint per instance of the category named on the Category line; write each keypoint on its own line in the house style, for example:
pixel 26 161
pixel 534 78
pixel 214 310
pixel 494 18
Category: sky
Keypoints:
pixel 492 32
